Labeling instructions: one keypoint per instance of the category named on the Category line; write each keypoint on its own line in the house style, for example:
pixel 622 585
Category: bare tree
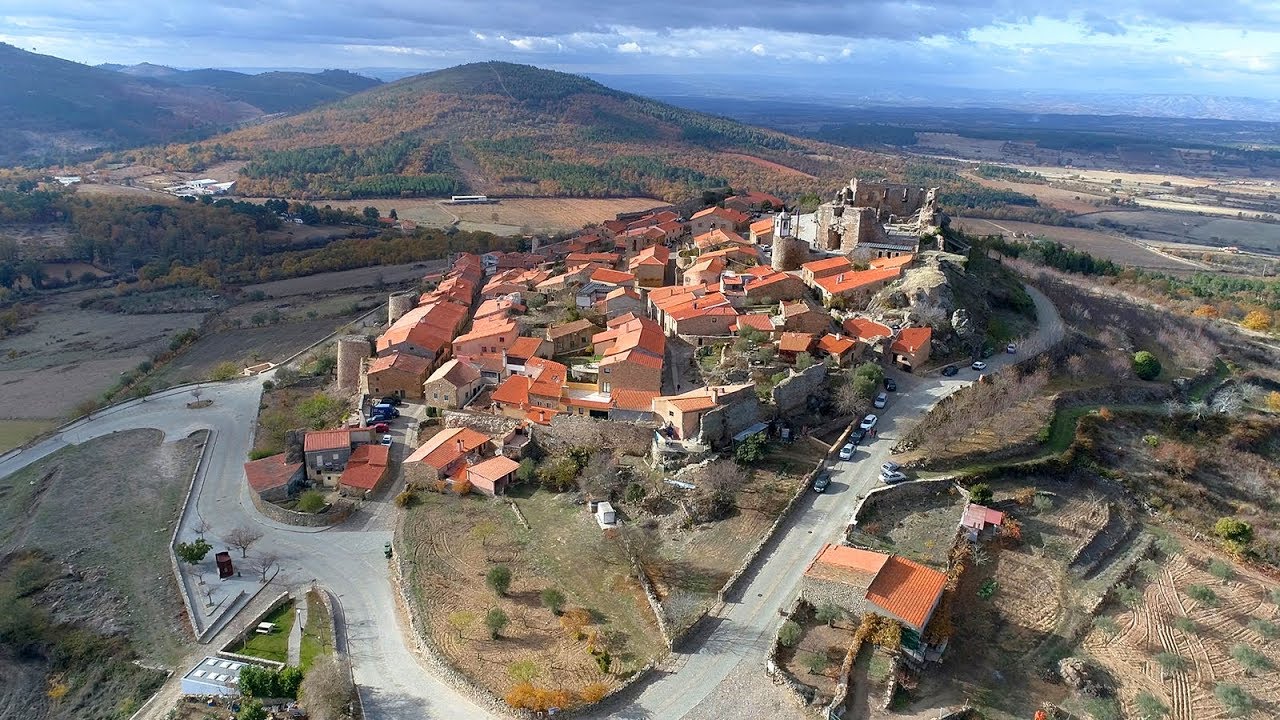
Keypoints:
pixel 721 476
pixel 201 527
pixel 263 564
pixel 1229 401
pixel 326 690
pixel 242 538
pixel 196 392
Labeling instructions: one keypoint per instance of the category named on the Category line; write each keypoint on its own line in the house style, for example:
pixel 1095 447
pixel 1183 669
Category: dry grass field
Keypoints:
pixel 1115 248
pixel 370 277
pixel 513 216
pixel 1069 201
pixel 1204 636
pixel 452 543
pixel 769 165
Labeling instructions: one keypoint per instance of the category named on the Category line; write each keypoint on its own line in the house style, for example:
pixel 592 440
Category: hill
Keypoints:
pixel 507 129
pixel 52 108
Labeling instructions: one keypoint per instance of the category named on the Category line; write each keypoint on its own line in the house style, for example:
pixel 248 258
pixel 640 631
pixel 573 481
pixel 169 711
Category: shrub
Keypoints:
pixel 1250 659
pixel 980 493
pixel 804 361
pixel 527 471
pixel 789 634
pixel 1146 365
pixel 752 450
pixel 1274 593
pixel 495 620
pixel 1025 496
pixel 988 588
pixel 1265 628
pixel 1170 662
pixel 1042 503
pixel 553 600
pixel 1234 533
pixel 311 501
pixel 1128 595
pixel 1151 440
pixel 408 498
pixel 498 579
pixel 1186 625
pixel 1150 707
pixel 1233 699
pixel 261 453
pixel 1256 320
pixel 815 663
pixel 1148 568
pixel 593 693
pixel 828 613
pixel 1202 595
pixel 635 493
pixel 1106 625
pixel 1221 570
pixel 558 475
pixel 225 371
pixel 1103 708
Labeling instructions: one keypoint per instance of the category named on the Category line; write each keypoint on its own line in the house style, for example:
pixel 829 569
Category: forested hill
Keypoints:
pixel 271 92
pixel 500 128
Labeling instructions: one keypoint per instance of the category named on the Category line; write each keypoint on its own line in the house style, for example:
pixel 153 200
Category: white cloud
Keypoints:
pixel 757 49
pixel 630 47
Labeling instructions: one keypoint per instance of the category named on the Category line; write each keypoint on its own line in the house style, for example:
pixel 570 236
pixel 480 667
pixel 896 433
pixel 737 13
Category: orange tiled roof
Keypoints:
pixel 613 277
pixel 842 563
pixel 318 440
pixel 831 264
pixel 907 589
pixel 762 226
pixel 900 261
pixel 795 342
pixel 513 391
pixel 755 321
pixel 541 415
pixel 402 362
pixel 442 449
pixel 525 347
pixel 366 467
pixel 727 213
pixel 569 328
pixel 843 282
pixel 456 373
pixel 270 472
pixel 718 237
pixel 693 403
pixel 633 399
pixel 865 329
pixel 494 468
pixel 911 339
pixel 835 345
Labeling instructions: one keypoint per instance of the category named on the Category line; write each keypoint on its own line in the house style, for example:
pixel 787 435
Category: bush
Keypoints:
pixel 789 634
pixel 527 471
pixel 1202 595
pixel 815 663
pixel 1103 709
pixel 1235 534
pixel 1106 625
pixel 828 613
pixel 635 493
pixel 553 600
pixel 988 588
pixel 1186 625
pixel 1250 659
pixel 1170 662
pixel 498 579
pixel 804 361
pixel 225 371
pixel 1234 699
pixel 408 498
pixel 1146 365
pixel 495 620
pixel 1265 628
pixel 311 501
pixel 1128 595
pixel 752 450
pixel 262 453
pixel 980 493
pixel 1221 570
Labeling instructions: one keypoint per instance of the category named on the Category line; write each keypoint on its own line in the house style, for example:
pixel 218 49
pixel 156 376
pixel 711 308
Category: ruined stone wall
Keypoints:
pixel 398 304
pixel 495 426
pixel 719 425
pixel 861 226
pixel 890 198
pixel 794 391
pixel 352 351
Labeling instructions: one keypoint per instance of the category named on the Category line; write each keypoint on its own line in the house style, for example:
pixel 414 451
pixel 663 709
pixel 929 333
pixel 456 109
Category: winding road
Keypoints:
pixel 348 559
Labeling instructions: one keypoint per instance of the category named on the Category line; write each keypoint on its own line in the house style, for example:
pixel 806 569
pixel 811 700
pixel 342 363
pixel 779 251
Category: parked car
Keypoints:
pixel 386 409
pixel 890 384
pixel 881 400
pixel 893 477
pixel 1011 348
pixel 949 370
pixel 381 427
pixel 889 467
pixel 857 435
pixel 978 365
pixel 376 419
pixel 386 440
pixel 869 422
pixel 391 400
pixel 987 352
pixel 821 482
pixel 846 452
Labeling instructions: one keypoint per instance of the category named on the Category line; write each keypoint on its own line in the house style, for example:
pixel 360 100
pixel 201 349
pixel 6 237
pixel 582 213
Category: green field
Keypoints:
pixel 276 645
pixel 14 433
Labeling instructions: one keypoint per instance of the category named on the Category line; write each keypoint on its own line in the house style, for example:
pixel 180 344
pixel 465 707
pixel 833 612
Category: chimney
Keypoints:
pixel 459 444
pixel 715 394
pixel 840 278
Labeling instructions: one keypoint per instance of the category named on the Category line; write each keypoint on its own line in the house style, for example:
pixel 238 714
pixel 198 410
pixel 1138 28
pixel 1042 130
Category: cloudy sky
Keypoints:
pixel 1215 47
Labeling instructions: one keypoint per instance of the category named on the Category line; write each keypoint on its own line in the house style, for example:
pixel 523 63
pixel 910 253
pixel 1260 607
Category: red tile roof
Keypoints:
pixel 456 373
pixel 907 590
pixel 718 237
pixel 865 329
pixel 401 362
pixel 633 399
pixel 795 342
pixel 760 227
pixel 442 449
pixel 844 282
pixel 319 440
pixel 755 321
pixel 842 563
pixel 900 261
pixel 270 472
pixel 493 469
pixel 513 391
pixel 525 347
pixel 828 265
pixel 570 328
pixel 366 467
pixel 613 277
pixel 833 345
pixel 911 339
pixel 730 214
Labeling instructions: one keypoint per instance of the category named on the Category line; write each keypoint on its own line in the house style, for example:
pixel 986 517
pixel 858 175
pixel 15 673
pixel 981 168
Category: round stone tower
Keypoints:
pixel 352 351
pixel 789 253
pixel 398 304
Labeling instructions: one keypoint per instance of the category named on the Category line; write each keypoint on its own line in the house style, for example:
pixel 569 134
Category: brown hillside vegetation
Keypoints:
pixel 505 129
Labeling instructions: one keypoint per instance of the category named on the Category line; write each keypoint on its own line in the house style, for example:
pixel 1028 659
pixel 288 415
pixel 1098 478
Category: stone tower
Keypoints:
pixel 789 252
pixel 398 304
pixel 353 350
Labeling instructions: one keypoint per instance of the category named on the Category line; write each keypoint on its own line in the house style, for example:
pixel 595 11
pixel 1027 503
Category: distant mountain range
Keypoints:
pixel 53 109
pixel 502 128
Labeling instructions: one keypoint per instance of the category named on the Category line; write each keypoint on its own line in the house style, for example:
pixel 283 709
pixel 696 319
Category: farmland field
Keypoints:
pixel 243 346
pixel 515 215
pixel 1070 201
pixel 344 279
pixel 1097 243
pixel 16 432
pixel 1204 635
pixel 1199 229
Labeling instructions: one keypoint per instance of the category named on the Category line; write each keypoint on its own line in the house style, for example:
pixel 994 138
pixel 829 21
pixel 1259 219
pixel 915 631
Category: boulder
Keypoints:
pixel 1085 679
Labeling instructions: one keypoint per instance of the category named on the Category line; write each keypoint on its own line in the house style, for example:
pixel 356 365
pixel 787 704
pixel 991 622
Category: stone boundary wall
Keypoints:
pixel 800 692
pixel 654 604
pixel 177 527
pixel 845 678
pixel 337 513
pixel 913 489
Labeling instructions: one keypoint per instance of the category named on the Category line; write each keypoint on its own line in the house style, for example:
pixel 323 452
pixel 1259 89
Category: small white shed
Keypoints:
pixel 606 516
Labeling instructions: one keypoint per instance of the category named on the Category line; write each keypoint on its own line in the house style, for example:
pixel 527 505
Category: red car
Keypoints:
pixel 381 427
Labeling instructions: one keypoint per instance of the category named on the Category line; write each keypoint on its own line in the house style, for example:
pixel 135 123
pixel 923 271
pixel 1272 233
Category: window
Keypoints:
pixel 604 387
pixel 671 413
pixel 335 456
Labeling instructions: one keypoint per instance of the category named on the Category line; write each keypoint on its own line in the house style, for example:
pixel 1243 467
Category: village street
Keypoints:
pixel 349 561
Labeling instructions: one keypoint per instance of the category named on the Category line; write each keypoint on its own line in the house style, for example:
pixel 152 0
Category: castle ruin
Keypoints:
pixel 878 219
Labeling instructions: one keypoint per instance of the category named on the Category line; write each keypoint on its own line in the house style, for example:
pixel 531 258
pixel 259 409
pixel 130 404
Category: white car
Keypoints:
pixel 889 467
pixel 979 365
pixel 869 422
pixel 881 400
pixel 386 440
pixel 846 452
pixel 893 477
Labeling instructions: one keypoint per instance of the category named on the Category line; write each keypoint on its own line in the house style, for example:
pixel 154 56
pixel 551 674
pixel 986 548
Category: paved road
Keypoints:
pixel 746 624
pixel 348 560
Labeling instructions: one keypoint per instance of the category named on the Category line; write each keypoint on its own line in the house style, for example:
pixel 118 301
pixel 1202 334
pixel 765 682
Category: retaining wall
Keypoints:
pixel 337 512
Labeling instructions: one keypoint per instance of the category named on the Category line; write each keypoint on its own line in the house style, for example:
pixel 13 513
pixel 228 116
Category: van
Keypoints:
pixel 386 410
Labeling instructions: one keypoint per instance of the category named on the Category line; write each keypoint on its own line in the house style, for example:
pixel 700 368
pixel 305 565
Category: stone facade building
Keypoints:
pixel 879 219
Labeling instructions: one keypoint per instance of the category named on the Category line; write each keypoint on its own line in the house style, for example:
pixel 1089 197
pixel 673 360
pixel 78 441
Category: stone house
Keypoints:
pixel 326 452
pixel 452 385
pixel 445 454
pixel 911 347
pixel 491 477
pixel 838 347
pixel 272 478
pixel 860 581
pixel 718 218
pixel 398 374
pixel 802 316
pixel 494 335
pixel 571 337
pixel 366 470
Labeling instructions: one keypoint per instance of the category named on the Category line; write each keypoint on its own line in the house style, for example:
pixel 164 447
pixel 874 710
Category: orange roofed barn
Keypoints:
pixel 861 581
